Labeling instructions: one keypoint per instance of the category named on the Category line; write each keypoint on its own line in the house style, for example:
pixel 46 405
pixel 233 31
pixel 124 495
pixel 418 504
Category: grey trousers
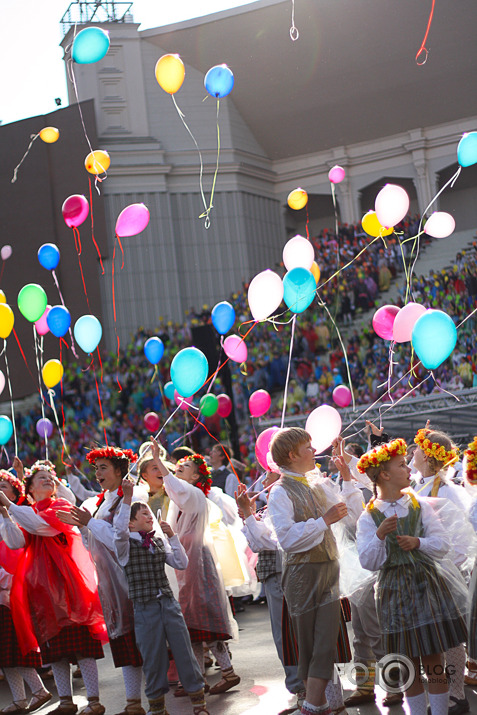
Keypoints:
pixel 367 640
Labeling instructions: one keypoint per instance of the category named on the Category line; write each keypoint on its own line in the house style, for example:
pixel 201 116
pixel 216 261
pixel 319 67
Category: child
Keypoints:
pixel 420 608
pixel 158 619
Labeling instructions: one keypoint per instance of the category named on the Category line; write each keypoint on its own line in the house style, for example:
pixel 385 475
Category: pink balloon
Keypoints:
pixel 440 224
pixel 298 252
pixel 182 402
pixel 6 252
pixel 271 464
pixel 259 403
pixel 151 422
pixel 324 426
pixel 132 220
pixel 336 174
pixel 41 325
pixel 262 445
pixel 405 320
pixel 391 205
pixel 342 395
pixel 235 348
pixel 75 210
pixel 383 321
pixel 2 382
pixel 225 405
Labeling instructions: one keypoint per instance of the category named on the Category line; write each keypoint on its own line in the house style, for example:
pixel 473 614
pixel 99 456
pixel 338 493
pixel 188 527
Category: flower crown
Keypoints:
pixel 471 462
pixel 381 453
pixel 434 449
pixel 14 481
pixel 40 466
pixel 111 453
pixel 204 471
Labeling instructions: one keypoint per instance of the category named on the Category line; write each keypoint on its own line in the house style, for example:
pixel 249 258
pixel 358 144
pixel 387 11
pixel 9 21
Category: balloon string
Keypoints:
pixel 100 364
pixel 11 395
pixel 122 252
pixel 73 347
pixel 201 424
pixel 33 138
pixel 72 77
pixel 23 354
pixel 76 234
pixel 92 227
pixel 214 374
pixel 294 34
pixel 206 213
pixel 114 310
pixel 100 406
pixel 157 435
pixel 423 45
pixel 63 418
pixel 51 395
pixel 307 225
pixel 1 272
pixel 42 400
pixel 285 392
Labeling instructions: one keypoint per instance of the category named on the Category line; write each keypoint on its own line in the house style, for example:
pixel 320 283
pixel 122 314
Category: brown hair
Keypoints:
pixel 135 506
pixel 285 441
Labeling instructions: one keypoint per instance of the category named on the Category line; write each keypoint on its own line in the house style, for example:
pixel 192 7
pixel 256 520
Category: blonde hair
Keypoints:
pixel 430 441
pixel 285 441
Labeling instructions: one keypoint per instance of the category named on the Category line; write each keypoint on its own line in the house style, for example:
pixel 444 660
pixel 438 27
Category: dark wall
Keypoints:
pixel 30 215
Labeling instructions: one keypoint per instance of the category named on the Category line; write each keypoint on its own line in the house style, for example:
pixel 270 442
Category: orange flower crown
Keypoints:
pixel 111 453
pixel 14 481
pixel 471 462
pixel 381 453
pixel 434 449
pixel 204 470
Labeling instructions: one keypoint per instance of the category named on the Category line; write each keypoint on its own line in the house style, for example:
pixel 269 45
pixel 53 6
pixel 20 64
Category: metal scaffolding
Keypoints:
pixel 80 13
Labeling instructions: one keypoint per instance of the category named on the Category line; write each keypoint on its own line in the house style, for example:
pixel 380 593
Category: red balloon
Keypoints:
pixel 75 210
pixel 225 405
pixel 151 422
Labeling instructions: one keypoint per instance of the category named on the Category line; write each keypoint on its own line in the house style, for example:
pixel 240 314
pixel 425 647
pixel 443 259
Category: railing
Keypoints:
pixel 79 13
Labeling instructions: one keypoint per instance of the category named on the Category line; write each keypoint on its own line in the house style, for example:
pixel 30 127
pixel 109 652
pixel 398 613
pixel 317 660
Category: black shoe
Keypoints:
pixel 458 707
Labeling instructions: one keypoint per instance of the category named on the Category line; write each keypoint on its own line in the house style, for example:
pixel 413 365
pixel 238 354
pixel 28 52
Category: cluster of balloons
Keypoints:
pixel 170 74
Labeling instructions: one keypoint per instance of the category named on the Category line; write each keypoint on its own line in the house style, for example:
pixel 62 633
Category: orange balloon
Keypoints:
pixel 49 135
pixel 373 227
pixel 297 199
pixel 97 162
pixel 315 269
pixel 170 73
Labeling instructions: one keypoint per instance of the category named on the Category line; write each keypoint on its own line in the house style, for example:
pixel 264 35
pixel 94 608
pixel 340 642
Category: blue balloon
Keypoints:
pixel 223 317
pixel 154 350
pixel 467 149
pixel 299 289
pixel 88 332
pixel 189 370
pixel 433 338
pixel 90 45
pixel 169 390
pixel 58 320
pixel 6 429
pixel 219 81
pixel 49 256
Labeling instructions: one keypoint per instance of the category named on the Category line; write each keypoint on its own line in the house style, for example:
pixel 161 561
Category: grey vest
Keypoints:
pixel 145 571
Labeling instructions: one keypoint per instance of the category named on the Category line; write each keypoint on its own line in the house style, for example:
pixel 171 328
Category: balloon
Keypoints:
pixel 44 427
pixel 467 149
pixel 88 332
pixel 219 81
pixel 49 135
pixel 52 373
pixel 3 297
pixel 6 252
pixel 32 301
pixel 182 402
pixel 6 429
pixel 405 321
pixel 90 45
pixel 265 294
pixel 225 405
pixel 97 162
pixel 440 224
pixel 209 405
pixel 75 210
pixel 315 269
pixel 391 205
pixel 342 395
pixel 152 422
pixel 6 320
pixel 262 445
pixel 297 199
pixel 132 220
pixel 58 320
pixel 336 174
pixel 169 390
pixel 49 256
pixel 259 402
pixel 154 350
pixel 298 252
pixel 41 325
pixel 433 338
pixel 235 348
pixel 383 321
pixel 324 426
pixel 189 370
pixel 223 317
pixel 299 288
pixel 372 226
pixel 170 73
pixel 2 382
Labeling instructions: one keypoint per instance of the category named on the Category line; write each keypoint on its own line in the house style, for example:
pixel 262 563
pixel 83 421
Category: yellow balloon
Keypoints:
pixel 372 226
pixel 52 373
pixel 297 199
pixel 315 269
pixel 6 320
pixel 97 162
pixel 170 73
pixel 3 297
pixel 49 134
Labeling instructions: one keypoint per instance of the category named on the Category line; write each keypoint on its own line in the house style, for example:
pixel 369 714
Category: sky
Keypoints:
pixel 32 71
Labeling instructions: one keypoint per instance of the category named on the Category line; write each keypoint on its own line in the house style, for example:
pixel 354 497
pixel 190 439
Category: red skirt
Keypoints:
pixel 71 641
pixel 125 651
pixel 10 653
pixel 197 636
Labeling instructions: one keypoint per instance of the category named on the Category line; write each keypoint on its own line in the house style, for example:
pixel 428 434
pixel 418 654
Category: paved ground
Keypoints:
pixel 260 692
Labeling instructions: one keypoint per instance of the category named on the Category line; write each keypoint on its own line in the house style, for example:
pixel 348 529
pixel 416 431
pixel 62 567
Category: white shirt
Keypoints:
pixel 260 534
pixel 447 490
pixel 98 526
pixel 30 521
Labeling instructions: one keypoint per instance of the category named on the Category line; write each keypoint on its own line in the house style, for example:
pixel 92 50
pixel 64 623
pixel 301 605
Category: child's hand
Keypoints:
pixel 18 467
pixel 127 487
pixel 373 429
pixel 408 543
pixel 156 458
pixel 166 528
pixel 387 527
pixel 75 516
pixel 245 505
pixel 336 513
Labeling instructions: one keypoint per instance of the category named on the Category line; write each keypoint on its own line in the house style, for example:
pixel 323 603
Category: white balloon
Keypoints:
pixel 324 426
pixel 2 381
pixel 298 252
pixel 391 205
pixel 440 224
pixel 6 252
pixel 265 293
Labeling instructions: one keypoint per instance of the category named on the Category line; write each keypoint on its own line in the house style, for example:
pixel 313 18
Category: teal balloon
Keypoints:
pixel 88 332
pixel 467 149
pixel 189 370
pixel 433 338
pixel 299 289
pixel 169 390
pixel 90 45
pixel 6 429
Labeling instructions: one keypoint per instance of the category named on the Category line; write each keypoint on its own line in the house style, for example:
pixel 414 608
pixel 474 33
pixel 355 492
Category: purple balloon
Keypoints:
pixel 132 220
pixel 44 427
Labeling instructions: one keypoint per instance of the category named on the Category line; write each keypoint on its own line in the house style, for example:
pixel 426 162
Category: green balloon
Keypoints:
pixel 32 301
pixel 209 405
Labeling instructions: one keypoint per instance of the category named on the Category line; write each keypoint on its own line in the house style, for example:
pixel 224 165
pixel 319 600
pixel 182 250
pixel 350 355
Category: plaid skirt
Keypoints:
pixel 10 653
pixel 125 651
pixel 71 641
pixel 197 636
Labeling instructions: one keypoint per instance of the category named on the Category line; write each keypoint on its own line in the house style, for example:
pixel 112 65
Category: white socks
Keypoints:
pixel 417 704
pixel 199 654
pixel 439 703
pixel 334 692
pixel 89 672
pixel 132 676
pixel 455 662
pixel 62 675
pixel 32 679
pixel 221 654
pixel 16 684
